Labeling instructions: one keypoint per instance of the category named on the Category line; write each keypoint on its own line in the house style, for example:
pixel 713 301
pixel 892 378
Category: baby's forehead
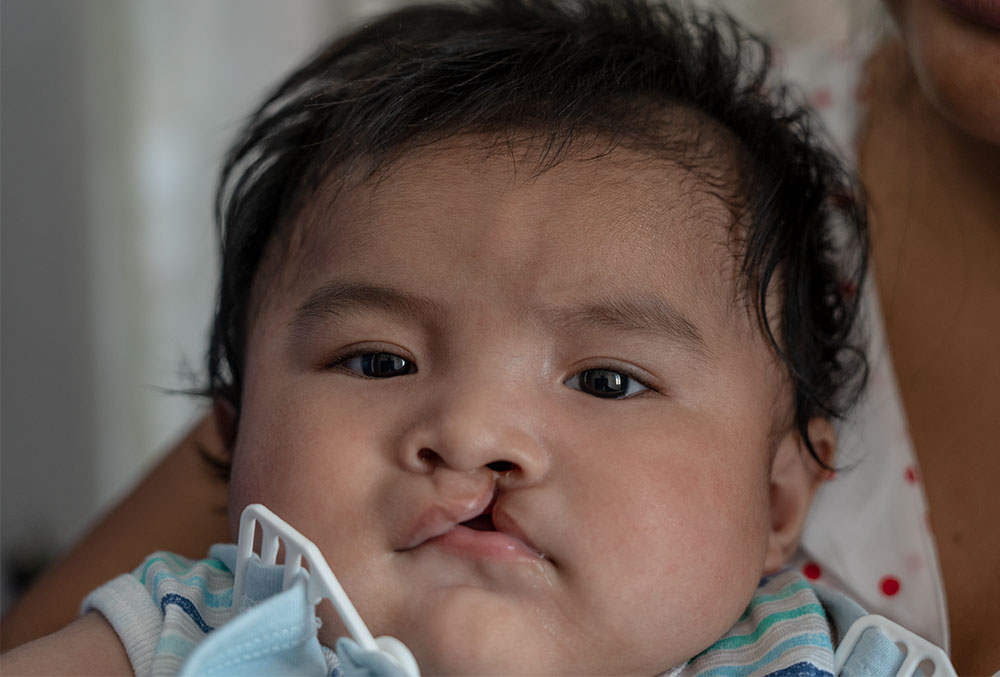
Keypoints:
pixel 615 195
pixel 621 224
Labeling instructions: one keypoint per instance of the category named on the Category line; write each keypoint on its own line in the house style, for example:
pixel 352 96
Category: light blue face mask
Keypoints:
pixel 273 629
pixel 278 637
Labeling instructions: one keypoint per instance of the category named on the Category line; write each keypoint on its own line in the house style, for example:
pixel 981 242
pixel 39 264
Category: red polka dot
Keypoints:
pixel 889 585
pixel 811 571
pixel 911 474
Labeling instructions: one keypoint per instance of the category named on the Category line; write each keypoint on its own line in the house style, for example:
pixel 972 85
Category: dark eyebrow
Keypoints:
pixel 644 314
pixel 641 314
pixel 338 298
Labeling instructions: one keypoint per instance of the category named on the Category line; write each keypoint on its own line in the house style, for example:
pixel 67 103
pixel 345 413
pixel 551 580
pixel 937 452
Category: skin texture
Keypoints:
pixel 638 528
pixel 88 646
pixel 935 215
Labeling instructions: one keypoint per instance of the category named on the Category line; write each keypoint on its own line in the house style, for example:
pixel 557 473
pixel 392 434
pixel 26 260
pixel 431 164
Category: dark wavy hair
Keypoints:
pixel 560 71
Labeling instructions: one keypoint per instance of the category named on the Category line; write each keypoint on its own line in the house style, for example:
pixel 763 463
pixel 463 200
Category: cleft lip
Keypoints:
pixel 438 518
pixel 431 523
pixel 437 521
pixel 505 523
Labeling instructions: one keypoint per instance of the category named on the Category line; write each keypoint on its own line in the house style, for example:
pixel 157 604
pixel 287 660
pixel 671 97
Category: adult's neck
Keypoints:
pixel 933 187
pixel 935 214
pixel 947 157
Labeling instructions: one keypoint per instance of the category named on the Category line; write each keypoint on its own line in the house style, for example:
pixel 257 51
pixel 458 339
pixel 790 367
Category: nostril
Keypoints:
pixel 500 466
pixel 429 457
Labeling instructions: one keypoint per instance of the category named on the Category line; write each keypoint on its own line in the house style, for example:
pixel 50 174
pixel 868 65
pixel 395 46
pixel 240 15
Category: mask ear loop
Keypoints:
pixel 917 648
pixel 320 581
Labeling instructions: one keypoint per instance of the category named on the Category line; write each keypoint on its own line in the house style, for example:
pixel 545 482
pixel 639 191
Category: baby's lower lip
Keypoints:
pixel 474 543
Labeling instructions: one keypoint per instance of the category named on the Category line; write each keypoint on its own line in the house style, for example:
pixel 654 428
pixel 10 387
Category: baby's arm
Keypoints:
pixel 87 646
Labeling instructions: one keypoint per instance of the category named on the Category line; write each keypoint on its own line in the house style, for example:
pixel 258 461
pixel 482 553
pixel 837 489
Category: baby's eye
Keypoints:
pixel 378 365
pixel 606 383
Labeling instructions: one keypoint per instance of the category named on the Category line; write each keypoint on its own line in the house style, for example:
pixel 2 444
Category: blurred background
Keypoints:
pixel 115 115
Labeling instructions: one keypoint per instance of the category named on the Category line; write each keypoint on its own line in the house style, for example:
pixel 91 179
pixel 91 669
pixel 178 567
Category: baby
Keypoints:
pixel 534 317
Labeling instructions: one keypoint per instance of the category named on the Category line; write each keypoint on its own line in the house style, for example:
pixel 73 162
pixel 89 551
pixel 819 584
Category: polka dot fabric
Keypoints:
pixel 869 524
pixel 889 586
pixel 868 532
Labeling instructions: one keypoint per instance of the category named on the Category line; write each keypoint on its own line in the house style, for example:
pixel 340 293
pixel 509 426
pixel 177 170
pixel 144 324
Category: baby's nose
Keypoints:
pixel 467 431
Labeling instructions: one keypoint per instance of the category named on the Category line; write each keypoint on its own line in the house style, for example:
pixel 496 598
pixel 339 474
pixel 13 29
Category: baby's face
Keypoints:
pixel 525 419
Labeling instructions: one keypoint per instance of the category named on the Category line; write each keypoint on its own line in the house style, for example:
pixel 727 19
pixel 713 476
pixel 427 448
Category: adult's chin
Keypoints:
pixel 957 62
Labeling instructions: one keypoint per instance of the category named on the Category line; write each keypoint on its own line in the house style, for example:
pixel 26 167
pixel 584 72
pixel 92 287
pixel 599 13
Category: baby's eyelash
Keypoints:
pixel 340 358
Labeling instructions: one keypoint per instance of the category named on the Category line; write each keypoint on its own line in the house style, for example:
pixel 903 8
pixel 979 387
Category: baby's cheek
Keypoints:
pixel 244 488
pixel 270 477
pixel 702 556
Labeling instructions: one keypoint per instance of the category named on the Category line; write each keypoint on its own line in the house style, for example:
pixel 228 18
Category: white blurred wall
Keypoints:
pixel 115 115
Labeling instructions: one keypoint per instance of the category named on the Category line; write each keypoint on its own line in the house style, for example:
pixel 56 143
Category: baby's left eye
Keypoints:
pixel 378 365
pixel 606 383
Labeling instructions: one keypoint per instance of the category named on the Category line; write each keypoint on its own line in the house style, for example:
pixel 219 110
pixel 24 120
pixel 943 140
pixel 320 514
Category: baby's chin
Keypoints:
pixel 464 630
pixel 470 631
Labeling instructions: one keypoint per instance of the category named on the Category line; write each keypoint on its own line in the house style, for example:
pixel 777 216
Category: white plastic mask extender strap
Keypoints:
pixel 320 581
pixel 916 647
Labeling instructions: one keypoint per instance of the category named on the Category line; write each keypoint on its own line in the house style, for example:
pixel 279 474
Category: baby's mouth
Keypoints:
pixel 483 522
pixel 488 534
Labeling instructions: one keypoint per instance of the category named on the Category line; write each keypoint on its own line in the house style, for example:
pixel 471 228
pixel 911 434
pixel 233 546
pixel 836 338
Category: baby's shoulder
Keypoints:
pixel 166 606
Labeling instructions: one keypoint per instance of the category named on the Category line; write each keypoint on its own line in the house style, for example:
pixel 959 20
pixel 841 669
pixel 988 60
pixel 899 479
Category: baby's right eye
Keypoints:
pixel 609 384
pixel 378 365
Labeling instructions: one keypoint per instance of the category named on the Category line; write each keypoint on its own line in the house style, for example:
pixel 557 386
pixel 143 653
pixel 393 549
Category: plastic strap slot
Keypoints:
pixel 321 583
pixel 918 650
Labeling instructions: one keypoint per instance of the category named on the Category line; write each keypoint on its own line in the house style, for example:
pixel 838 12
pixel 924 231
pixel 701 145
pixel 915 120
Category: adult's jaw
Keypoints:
pixel 985 12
